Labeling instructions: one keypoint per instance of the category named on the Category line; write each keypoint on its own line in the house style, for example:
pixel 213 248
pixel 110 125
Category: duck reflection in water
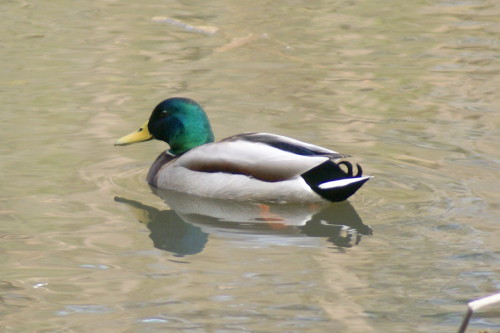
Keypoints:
pixel 184 229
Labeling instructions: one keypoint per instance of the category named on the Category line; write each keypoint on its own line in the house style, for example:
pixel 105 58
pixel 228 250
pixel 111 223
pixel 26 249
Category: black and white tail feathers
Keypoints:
pixel 332 183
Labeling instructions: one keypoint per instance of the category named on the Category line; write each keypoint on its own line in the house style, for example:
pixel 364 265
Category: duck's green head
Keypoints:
pixel 180 122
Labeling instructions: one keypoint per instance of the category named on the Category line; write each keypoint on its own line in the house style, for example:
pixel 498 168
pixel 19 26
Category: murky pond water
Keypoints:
pixel 410 88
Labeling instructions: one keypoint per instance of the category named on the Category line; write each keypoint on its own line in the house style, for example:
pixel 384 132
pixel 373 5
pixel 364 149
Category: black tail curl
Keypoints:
pixel 349 172
pixel 330 171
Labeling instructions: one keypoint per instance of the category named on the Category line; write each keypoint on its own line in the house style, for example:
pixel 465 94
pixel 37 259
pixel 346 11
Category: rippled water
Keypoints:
pixel 410 88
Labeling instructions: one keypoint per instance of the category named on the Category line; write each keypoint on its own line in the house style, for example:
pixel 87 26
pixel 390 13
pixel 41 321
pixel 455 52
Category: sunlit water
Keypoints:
pixel 409 88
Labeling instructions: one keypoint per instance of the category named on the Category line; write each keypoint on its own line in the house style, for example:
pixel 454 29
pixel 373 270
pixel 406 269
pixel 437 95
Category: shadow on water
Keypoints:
pixel 185 228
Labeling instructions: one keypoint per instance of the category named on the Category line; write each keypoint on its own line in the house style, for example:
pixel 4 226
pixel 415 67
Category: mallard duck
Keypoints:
pixel 248 167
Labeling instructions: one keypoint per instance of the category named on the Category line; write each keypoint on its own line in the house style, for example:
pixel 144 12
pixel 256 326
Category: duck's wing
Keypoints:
pixel 286 144
pixel 266 157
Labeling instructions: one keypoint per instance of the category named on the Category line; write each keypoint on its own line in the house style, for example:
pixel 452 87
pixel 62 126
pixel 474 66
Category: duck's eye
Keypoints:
pixel 164 113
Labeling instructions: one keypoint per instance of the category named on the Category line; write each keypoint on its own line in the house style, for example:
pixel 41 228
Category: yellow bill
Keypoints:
pixel 142 134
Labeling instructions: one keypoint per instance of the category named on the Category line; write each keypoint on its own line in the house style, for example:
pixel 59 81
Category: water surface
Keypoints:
pixel 408 88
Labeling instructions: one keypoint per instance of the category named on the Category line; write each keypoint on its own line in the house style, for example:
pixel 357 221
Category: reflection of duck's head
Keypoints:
pixel 168 231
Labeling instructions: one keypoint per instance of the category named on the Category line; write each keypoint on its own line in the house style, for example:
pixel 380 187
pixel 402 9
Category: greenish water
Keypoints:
pixel 410 88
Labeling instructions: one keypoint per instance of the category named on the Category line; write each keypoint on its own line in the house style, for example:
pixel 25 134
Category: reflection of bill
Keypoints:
pixel 184 229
